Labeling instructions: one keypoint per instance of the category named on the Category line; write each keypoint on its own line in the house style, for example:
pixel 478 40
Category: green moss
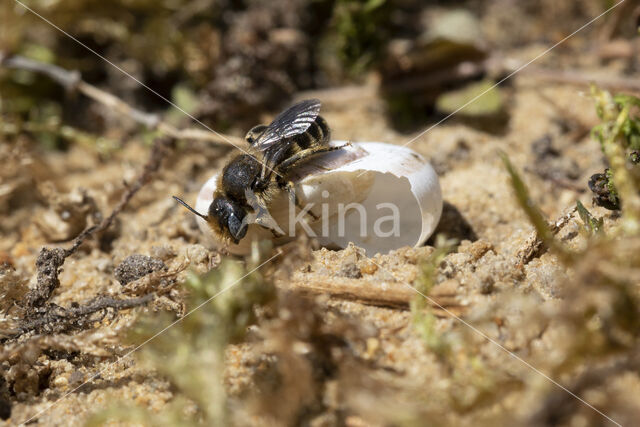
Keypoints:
pixel 619 137
pixel 424 321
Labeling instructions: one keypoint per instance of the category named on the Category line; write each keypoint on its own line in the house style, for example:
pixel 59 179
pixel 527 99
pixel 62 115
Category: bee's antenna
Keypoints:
pixel 183 203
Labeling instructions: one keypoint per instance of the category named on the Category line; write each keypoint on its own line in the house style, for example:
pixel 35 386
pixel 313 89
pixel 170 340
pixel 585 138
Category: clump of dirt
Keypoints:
pixel 136 266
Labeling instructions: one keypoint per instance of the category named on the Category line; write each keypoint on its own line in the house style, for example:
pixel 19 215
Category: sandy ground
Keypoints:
pixel 482 276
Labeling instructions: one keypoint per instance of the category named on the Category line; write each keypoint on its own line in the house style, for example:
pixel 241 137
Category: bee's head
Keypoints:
pixel 228 215
pixel 254 133
pixel 224 217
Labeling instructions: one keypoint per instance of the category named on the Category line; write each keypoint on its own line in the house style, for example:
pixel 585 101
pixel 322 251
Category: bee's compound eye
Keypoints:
pixel 237 229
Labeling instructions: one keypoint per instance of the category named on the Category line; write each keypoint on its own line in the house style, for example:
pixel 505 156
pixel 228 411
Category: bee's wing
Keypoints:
pixel 291 122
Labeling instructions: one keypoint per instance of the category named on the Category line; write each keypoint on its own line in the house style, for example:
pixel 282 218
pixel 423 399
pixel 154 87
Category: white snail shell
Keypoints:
pixel 374 176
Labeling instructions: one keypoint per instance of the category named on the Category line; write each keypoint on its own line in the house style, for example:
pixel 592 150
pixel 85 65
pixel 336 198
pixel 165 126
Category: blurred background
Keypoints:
pixel 225 62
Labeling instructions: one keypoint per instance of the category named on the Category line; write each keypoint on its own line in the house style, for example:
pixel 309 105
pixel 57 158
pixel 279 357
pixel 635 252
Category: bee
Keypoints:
pixel 251 180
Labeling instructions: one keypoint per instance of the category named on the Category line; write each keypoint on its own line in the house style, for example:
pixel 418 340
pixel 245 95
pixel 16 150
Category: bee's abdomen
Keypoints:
pixel 323 127
pixel 318 133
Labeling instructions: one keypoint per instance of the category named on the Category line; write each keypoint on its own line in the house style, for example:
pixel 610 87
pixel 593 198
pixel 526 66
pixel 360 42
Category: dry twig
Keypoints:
pixel 393 294
pixel 55 319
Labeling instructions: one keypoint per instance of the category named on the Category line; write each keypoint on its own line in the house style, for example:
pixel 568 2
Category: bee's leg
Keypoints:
pixel 289 187
pixel 300 156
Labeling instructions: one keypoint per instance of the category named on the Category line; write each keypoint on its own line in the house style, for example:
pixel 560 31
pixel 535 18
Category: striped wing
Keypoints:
pixel 291 122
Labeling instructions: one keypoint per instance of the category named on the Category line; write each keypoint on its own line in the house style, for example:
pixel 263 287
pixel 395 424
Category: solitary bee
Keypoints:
pixel 257 176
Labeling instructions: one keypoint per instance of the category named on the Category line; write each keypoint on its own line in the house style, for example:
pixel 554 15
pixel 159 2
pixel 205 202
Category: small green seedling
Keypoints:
pixel 592 224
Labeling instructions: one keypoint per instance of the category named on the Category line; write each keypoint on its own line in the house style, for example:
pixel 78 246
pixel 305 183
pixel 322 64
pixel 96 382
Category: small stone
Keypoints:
pixel 373 345
pixel 76 377
pixel 368 267
pixel 350 270
pixel 476 249
pixel 60 382
pixel 487 285
pixel 136 266
pixel 447 269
